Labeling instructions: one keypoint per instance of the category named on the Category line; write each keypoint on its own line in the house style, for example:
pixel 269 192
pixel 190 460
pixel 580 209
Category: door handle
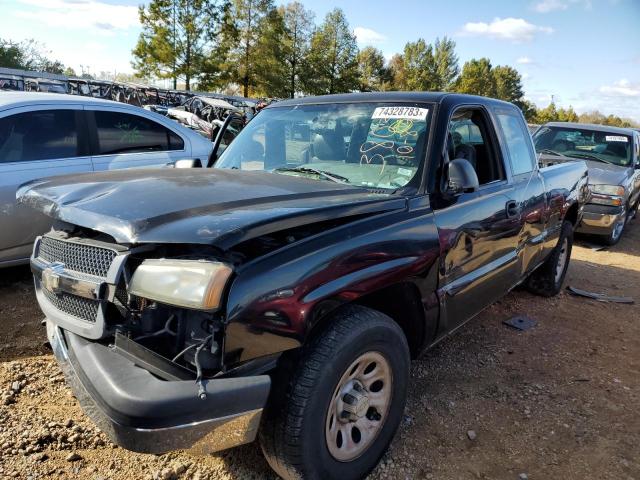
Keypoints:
pixel 512 209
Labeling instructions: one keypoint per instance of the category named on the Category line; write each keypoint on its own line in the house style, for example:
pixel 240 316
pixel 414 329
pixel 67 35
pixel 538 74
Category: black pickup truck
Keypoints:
pixel 282 293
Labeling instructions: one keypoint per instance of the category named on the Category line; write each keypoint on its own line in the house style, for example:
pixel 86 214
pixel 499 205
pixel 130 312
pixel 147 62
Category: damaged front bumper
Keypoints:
pixel 142 413
pixel 600 219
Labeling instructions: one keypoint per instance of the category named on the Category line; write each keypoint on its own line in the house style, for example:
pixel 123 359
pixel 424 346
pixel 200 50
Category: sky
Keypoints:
pixel 586 53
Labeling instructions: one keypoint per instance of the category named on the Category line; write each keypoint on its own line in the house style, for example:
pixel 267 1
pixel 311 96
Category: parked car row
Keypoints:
pixel 131 93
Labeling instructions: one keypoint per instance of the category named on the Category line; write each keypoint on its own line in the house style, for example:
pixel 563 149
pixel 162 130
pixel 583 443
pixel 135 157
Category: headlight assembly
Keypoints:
pixel 616 190
pixel 193 284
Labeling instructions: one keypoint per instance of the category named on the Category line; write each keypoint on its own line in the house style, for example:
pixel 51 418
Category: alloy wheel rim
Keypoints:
pixel 617 230
pixel 359 406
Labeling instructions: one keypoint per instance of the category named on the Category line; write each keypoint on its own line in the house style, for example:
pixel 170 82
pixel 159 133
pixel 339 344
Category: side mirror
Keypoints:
pixel 462 177
pixel 188 163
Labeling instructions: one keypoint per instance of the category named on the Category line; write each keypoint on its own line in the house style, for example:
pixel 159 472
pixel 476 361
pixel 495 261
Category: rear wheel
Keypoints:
pixel 547 279
pixel 339 408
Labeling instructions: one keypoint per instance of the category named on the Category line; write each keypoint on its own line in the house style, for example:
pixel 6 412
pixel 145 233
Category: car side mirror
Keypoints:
pixel 461 176
pixel 188 163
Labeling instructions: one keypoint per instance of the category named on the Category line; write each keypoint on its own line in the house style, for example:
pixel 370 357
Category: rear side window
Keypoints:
pixel 39 135
pixel 124 133
pixel 518 142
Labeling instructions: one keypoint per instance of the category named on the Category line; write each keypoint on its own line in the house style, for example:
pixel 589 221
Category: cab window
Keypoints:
pixel 469 138
pixel 517 141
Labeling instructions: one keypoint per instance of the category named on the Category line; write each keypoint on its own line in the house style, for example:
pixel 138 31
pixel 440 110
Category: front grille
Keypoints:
pixel 78 307
pixel 78 257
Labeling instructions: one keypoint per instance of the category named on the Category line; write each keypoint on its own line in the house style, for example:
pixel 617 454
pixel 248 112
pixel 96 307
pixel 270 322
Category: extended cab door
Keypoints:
pixel 35 142
pixel 479 230
pixel 529 189
pixel 122 139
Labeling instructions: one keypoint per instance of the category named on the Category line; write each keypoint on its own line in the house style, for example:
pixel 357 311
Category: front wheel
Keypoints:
pixel 616 233
pixel 547 279
pixel 335 413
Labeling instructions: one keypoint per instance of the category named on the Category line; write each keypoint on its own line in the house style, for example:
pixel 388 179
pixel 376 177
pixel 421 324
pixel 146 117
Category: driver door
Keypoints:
pixel 478 230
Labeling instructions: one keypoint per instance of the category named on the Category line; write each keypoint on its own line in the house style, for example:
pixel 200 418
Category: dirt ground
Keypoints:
pixel 559 401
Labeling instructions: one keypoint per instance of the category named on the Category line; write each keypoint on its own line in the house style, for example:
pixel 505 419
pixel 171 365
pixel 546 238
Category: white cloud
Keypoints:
pixel 622 88
pixel 524 61
pixel 513 29
pixel 367 36
pixel 80 14
pixel 546 6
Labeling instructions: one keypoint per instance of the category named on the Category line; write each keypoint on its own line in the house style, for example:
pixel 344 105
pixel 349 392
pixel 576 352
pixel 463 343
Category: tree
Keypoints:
pixel 419 66
pixel 567 115
pixel 397 74
pixel 529 111
pixel 272 78
pixel 371 69
pixel 176 38
pixel 28 55
pixel 425 67
pixel 548 114
pixel 331 65
pixel 477 79
pixel 70 72
pixel 299 26
pixel 244 24
pixel 11 55
pixel 446 64
pixel 508 84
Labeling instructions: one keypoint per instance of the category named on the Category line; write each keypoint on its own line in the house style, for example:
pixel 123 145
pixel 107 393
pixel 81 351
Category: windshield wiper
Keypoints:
pixel 548 151
pixel 589 156
pixel 322 173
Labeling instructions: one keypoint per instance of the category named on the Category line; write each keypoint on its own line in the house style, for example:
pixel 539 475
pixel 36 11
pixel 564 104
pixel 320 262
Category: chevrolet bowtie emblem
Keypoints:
pixel 51 277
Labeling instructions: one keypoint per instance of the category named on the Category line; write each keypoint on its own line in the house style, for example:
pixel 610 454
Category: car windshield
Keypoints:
pixel 361 144
pixel 607 147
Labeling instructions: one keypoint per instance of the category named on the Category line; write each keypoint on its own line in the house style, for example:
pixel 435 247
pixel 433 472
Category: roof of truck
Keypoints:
pixel 591 126
pixel 417 97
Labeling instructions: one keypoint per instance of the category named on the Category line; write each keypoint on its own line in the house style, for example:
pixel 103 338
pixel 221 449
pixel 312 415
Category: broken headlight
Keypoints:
pixel 196 284
pixel 607 194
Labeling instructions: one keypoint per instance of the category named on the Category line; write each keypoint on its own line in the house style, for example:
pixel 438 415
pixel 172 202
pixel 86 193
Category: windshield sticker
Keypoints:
pixel 616 138
pixel 405 171
pixel 398 113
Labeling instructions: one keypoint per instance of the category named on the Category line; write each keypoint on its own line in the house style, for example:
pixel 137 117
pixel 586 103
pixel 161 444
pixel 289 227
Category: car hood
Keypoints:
pixel 215 207
pixel 599 173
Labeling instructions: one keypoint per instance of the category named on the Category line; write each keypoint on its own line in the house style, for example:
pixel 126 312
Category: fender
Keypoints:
pixel 275 301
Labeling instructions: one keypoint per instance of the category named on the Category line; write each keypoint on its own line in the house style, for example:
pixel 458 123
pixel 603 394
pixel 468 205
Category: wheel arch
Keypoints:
pixel 571 215
pixel 403 303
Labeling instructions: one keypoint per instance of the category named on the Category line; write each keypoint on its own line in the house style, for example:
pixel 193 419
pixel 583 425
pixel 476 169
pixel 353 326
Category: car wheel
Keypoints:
pixel 616 233
pixel 334 410
pixel 548 278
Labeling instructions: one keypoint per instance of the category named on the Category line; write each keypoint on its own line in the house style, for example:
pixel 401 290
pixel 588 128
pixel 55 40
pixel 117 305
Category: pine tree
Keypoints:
pixel 331 65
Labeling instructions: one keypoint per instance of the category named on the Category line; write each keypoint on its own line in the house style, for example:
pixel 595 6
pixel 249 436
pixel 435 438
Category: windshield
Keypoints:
pixel 607 147
pixel 361 144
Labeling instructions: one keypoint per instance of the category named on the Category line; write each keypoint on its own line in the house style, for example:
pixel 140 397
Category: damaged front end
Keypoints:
pixel 139 333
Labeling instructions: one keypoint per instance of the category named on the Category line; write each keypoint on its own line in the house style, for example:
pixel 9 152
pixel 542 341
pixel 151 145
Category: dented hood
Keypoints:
pixel 214 206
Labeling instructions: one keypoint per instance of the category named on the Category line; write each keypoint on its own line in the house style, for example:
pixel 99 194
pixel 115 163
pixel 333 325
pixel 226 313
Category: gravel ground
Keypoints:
pixel 559 401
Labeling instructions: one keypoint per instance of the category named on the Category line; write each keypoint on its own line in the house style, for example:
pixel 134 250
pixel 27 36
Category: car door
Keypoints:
pixel 478 230
pixel 529 189
pixel 35 142
pixel 123 139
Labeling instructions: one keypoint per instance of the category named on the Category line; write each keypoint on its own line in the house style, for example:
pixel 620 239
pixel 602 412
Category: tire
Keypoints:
pixel 547 279
pixel 616 234
pixel 308 390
